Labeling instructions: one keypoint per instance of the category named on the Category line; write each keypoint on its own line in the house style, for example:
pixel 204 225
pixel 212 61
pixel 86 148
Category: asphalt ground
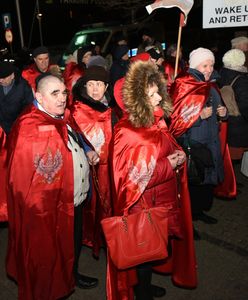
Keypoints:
pixel 222 257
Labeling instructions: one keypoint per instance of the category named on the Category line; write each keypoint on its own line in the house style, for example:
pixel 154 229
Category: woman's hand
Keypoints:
pixel 206 112
pixel 176 158
pixel 93 157
pixel 221 111
pixel 181 157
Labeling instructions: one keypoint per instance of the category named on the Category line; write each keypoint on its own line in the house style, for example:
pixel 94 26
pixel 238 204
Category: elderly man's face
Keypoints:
pixel 206 68
pixel 53 97
pixel 7 80
pixel 42 62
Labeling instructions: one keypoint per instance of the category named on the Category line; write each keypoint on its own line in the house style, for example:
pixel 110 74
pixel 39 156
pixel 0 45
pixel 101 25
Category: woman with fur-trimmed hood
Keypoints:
pixel 147 164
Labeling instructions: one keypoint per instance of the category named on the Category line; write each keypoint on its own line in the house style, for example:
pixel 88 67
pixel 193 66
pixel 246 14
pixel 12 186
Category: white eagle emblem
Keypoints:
pixel 48 167
pixel 97 139
pixel 188 112
pixel 141 177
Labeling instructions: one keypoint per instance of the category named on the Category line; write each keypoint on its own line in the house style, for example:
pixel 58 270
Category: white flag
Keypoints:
pixel 184 5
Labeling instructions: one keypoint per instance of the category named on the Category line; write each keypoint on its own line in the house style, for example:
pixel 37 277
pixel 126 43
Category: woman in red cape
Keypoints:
pixel 93 111
pixel 148 164
pixel 3 196
pixel 198 116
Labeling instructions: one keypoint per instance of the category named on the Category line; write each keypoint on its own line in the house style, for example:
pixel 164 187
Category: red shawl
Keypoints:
pixel 189 97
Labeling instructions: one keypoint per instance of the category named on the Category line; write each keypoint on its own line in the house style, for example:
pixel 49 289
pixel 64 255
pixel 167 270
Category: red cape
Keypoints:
pixel 189 97
pixel 40 206
pixel 71 74
pixel 128 159
pixel 97 128
pixel 31 73
pixel 3 196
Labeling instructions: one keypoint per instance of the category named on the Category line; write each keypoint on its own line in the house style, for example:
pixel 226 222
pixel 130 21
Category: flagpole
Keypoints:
pixel 178 45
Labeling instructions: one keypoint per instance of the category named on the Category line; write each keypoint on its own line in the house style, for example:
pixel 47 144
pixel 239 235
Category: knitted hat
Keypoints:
pixel 120 51
pixel 199 55
pixel 154 53
pixel 6 69
pixel 97 73
pixel 97 60
pixel 233 59
pixel 239 40
pixel 40 50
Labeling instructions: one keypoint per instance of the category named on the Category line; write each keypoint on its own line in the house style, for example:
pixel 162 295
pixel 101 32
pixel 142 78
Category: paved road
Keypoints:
pixel 222 257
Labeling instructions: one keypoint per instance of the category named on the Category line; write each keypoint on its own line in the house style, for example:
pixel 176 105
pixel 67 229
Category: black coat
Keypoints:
pixel 237 126
pixel 12 104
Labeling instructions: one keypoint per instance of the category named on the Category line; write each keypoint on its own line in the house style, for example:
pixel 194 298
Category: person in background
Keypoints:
pixel 198 110
pixel 234 67
pixel 15 95
pixel 75 68
pixel 40 66
pixel 93 111
pixel 156 57
pixel 120 63
pixel 149 41
pixel 170 62
pixel 241 43
pixel 146 165
pixel 48 162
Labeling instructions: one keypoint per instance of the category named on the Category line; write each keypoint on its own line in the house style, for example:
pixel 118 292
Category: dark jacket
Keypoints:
pixel 237 126
pixel 207 132
pixel 12 104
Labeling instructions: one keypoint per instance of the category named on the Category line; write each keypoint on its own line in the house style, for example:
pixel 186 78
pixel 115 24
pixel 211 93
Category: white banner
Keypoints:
pixel 225 13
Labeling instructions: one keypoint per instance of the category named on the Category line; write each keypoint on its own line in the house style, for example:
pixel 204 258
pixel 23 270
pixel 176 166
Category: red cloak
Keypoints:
pixel 3 196
pixel 31 73
pixel 133 154
pixel 97 128
pixel 40 206
pixel 189 96
pixel 71 74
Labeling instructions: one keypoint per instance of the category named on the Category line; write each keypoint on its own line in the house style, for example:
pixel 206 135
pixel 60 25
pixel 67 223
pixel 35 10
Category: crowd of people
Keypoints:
pixel 89 143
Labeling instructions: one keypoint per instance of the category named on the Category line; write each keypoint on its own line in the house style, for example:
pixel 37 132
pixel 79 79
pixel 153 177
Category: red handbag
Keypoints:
pixel 133 239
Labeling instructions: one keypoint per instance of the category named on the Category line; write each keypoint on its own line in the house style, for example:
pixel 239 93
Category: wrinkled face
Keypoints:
pixel 42 62
pixel 7 80
pixel 242 46
pixel 206 68
pixel 87 57
pixel 154 96
pixel 96 89
pixel 53 97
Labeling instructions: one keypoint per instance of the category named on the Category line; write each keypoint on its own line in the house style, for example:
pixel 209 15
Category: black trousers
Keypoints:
pixel 78 235
pixel 201 197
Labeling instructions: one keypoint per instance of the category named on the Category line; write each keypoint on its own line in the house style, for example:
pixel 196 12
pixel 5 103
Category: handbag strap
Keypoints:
pixel 234 80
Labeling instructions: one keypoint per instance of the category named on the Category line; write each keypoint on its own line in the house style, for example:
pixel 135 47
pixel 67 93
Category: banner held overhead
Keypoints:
pixel 225 13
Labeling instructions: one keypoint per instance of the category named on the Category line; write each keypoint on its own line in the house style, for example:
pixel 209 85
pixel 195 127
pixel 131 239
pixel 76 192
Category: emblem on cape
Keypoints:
pixel 142 177
pixel 189 111
pixel 96 138
pixel 48 165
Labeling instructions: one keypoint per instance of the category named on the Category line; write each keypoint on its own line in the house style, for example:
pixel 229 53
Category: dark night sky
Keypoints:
pixel 60 21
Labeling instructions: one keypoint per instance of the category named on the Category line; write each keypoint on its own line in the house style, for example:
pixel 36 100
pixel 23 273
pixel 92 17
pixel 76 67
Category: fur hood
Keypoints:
pixel 134 92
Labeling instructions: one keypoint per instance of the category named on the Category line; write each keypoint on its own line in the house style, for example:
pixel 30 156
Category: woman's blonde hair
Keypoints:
pixel 139 77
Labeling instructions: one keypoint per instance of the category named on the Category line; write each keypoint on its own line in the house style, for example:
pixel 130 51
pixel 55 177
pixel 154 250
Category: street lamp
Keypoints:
pixel 39 16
